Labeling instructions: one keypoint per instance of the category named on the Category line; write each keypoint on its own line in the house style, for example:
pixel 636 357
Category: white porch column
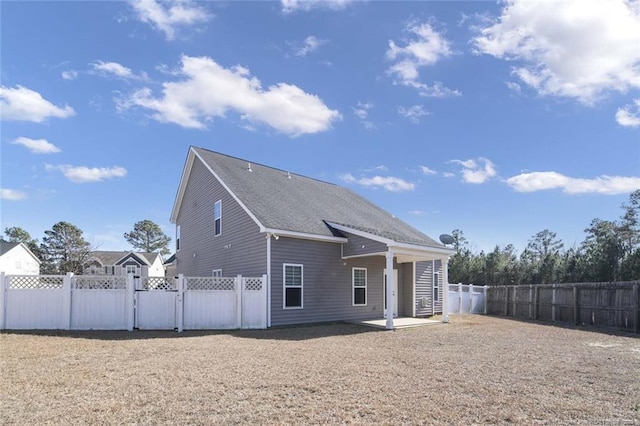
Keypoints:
pixel 390 295
pixel 445 292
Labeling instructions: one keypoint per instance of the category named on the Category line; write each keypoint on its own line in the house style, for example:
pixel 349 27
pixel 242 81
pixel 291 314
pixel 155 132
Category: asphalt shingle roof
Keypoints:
pixel 5 246
pixel 111 257
pixel 291 202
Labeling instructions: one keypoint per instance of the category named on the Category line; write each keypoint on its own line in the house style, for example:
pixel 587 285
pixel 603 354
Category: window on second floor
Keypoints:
pixel 217 217
pixel 177 237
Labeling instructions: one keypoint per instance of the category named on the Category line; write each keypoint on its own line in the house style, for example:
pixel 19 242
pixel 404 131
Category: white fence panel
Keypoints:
pixel 97 309
pixel 254 293
pixel 35 309
pixel 210 309
pixel 467 299
pixel 156 310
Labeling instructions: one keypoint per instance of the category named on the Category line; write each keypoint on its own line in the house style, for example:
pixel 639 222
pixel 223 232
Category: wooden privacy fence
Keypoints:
pixel 615 304
pixel 88 302
pixel 467 299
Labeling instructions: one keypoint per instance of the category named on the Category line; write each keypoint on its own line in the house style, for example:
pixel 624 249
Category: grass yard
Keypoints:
pixel 474 370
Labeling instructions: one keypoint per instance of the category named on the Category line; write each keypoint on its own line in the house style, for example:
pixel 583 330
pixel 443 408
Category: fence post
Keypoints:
pixel 575 305
pixel 636 308
pixel 553 302
pixel 239 290
pixel 3 299
pixel 265 292
pixel 506 300
pixel 130 301
pixel 459 297
pixel 485 299
pixel 536 294
pixel 515 290
pixel 66 301
pixel 180 303
pixel 470 298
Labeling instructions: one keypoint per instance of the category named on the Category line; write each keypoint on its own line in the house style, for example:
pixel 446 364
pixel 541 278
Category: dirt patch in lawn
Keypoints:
pixel 474 370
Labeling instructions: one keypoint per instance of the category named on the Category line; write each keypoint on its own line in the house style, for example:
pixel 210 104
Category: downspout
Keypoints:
pixel 268 280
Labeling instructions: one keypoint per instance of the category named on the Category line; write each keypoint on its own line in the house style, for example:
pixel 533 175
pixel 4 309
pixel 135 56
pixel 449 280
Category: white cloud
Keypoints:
pixel 448 174
pixel 69 75
pixel 514 87
pixel 117 70
pixel 629 115
pixel 426 48
pixel 580 49
pixel 37 146
pixel 167 17
pixel 413 113
pixel 309 45
pixel 290 6
pixel 22 104
pixel 540 181
pixel 427 171
pixel 417 212
pixel 208 90
pixel 389 183
pixel 83 174
pixel 12 194
pixel 362 112
pixel 477 170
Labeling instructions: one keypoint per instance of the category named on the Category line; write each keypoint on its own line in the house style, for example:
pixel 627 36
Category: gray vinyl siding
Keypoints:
pixel 438 268
pixel 405 289
pixel 240 249
pixel 424 288
pixel 326 283
pixel 358 245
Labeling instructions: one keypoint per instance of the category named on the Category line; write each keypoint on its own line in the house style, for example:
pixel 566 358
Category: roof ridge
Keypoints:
pixel 268 167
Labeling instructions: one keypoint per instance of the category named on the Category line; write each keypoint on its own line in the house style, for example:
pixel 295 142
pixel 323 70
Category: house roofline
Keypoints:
pixel 183 184
pixel 28 251
pixel 392 244
pixel 303 235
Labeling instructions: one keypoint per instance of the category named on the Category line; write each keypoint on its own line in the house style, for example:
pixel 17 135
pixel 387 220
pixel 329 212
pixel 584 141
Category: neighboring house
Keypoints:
pixel 325 249
pixel 170 266
pixel 123 263
pixel 17 259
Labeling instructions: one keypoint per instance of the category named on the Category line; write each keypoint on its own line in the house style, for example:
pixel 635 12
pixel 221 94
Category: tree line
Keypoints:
pixel 64 249
pixel 609 252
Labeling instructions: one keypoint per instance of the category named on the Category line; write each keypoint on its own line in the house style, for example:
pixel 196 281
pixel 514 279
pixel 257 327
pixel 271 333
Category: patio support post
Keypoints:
pixel 390 295
pixel 445 292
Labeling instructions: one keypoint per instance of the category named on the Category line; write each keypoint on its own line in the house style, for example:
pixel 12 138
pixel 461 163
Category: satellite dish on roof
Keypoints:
pixel 446 239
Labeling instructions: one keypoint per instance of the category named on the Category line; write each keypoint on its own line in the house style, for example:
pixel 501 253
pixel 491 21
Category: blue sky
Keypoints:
pixel 500 119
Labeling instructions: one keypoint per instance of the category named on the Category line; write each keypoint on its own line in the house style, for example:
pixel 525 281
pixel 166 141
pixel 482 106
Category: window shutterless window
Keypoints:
pixel 359 286
pixel 292 277
pixel 436 286
pixel 177 237
pixel 217 217
pixel 216 273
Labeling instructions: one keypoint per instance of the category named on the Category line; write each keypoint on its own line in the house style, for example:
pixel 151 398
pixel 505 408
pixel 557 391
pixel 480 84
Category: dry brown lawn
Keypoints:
pixel 475 370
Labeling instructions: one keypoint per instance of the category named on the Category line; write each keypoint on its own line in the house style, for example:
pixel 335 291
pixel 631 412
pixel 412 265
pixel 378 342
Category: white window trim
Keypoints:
pixel 219 203
pixel 137 271
pixel 216 273
pixel 436 286
pixel 284 286
pixel 177 238
pixel 353 286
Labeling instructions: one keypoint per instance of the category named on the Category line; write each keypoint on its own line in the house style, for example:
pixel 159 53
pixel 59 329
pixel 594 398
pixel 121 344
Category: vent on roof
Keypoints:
pixel 288 175
pixel 249 167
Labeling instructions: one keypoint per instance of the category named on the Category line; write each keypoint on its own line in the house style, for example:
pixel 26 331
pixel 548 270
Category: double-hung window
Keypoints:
pixel 217 217
pixel 359 286
pixel 292 286
pixel 177 237
pixel 436 286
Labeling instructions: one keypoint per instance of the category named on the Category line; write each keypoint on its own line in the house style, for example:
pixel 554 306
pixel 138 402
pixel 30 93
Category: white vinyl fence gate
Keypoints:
pixel 100 302
pixel 467 299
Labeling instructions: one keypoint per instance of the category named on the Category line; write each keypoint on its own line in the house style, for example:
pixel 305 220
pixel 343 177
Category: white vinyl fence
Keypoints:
pixel 87 302
pixel 467 299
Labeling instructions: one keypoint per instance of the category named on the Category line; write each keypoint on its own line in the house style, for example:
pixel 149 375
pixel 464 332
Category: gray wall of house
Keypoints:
pixel 405 288
pixel 327 286
pixel 358 245
pixel 240 249
pixel 424 287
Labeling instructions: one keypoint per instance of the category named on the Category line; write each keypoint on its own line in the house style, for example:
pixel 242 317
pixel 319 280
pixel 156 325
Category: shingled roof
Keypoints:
pixel 281 200
pixel 111 257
